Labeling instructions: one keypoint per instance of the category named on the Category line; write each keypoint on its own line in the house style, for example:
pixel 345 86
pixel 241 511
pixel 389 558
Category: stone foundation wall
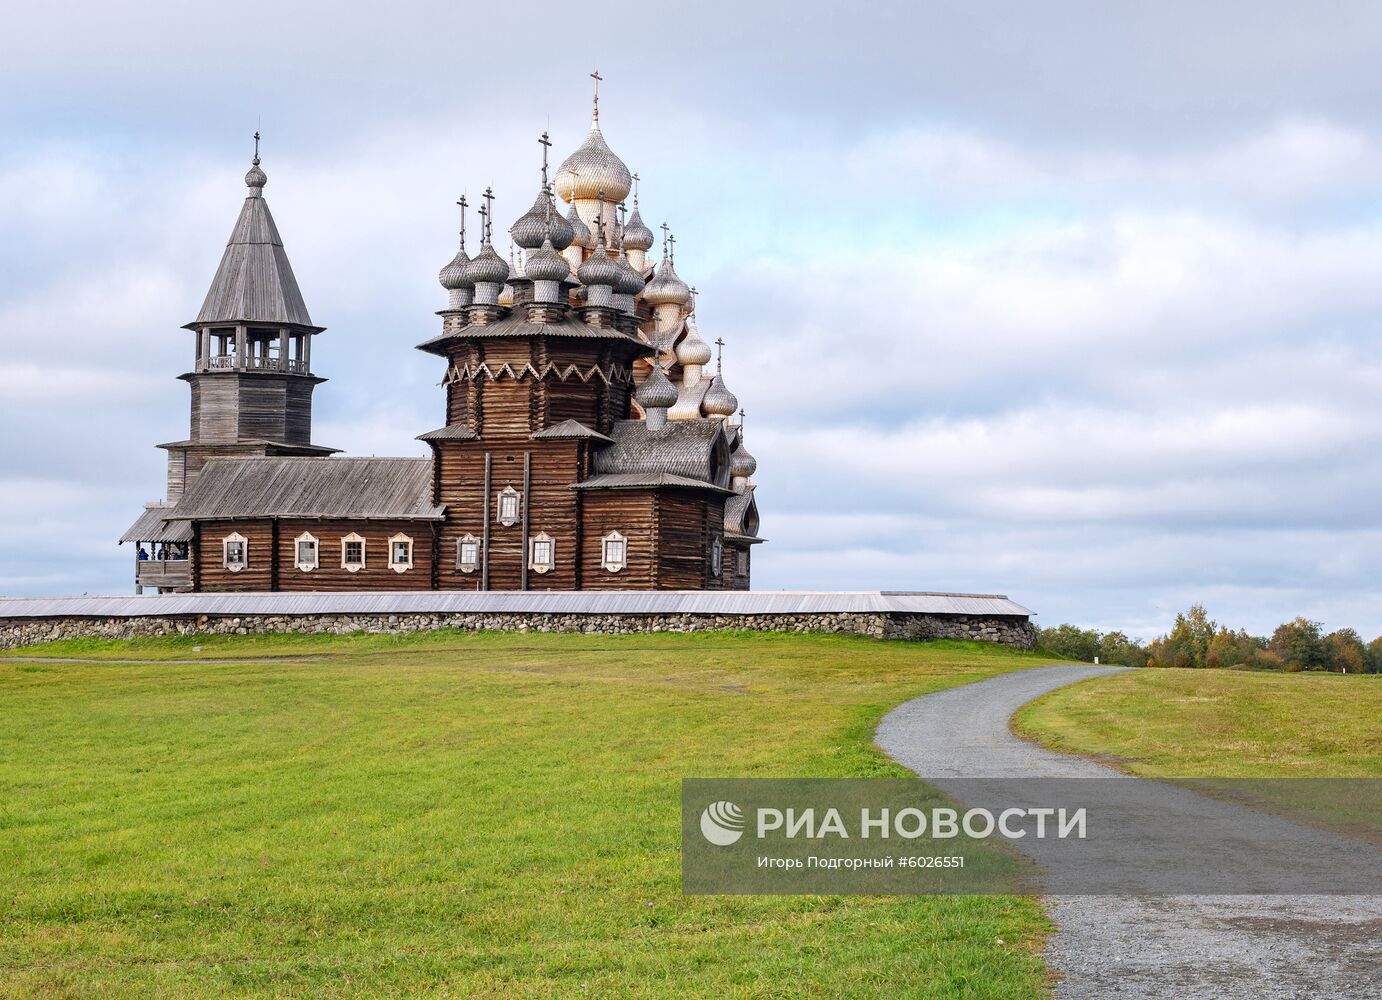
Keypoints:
pixel 1002 629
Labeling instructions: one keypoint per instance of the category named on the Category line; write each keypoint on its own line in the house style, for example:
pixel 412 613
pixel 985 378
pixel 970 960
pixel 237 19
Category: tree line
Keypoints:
pixel 1196 641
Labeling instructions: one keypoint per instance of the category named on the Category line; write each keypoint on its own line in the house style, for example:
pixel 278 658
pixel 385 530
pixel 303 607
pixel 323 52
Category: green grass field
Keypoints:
pixel 453 815
pixel 1217 723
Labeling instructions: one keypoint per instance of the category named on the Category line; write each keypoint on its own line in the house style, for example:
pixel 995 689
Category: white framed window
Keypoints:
pixel 510 506
pixel 717 555
pixel 400 553
pixel 352 553
pixel 614 551
pixel 235 552
pixel 305 552
pixel 542 553
pixel 468 554
pixel 742 561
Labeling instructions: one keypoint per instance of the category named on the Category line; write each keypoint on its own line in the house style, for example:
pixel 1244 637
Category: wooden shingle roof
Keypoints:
pixel 366 488
pixel 255 282
pixel 695 449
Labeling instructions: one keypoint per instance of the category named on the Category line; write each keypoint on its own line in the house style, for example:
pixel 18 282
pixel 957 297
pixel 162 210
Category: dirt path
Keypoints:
pixel 1181 947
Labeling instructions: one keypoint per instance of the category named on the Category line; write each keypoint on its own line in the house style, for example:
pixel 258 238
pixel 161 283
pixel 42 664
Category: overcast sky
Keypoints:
pixel 1077 302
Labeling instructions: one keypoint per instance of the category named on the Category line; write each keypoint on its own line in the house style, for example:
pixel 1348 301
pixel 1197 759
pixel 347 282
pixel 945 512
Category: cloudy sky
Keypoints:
pixel 1078 302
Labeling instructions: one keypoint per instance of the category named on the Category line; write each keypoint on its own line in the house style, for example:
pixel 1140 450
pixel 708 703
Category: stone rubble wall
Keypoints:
pixel 1004 630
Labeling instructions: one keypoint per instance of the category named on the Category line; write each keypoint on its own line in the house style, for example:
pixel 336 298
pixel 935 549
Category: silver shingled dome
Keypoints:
pixel 545 264
pixel 657 391
pixel 598 269
pixel 532 227
pixel 637 236
pixel 487 266
pixel 719 401
pixel 666 288
pixel 453 275
pixel 593 168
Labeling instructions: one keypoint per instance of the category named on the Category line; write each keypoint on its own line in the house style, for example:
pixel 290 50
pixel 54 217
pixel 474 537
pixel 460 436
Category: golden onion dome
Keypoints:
pixel 592 169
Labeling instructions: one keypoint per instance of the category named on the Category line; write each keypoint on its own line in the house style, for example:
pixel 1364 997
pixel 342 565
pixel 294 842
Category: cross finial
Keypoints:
pixel 742 415
pixel 597 78
pixel 488 213
pixel 635 192
pixel 600 222
pixel 256 147
pixel 546 144
pixel 663 227
pixel 463 203
pixel 672 254
pixel 719 353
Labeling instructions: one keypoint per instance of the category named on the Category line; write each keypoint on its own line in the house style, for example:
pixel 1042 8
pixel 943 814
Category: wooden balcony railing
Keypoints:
pixel 167 573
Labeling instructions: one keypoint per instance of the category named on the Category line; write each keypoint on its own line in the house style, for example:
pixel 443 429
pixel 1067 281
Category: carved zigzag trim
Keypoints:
pixel 473 373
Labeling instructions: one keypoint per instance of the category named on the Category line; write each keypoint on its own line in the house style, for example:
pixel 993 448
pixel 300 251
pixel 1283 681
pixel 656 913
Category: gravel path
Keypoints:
pixel 1181 947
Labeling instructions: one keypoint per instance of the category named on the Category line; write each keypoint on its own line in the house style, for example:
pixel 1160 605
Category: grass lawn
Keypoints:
pixel 1217 723
pixel 453 815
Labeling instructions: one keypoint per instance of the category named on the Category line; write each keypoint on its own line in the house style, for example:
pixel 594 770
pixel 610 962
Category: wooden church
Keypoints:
pixel 585 445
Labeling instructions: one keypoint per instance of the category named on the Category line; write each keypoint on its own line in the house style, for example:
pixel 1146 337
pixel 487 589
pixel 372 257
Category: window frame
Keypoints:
pixel 395 565
pixel 346 565
pixel 508 493
pixel 235 538
pixel 542 538
pixel 741 561
pixel 302 564
pixel 461 543
pixel 614 565
pixel 717 555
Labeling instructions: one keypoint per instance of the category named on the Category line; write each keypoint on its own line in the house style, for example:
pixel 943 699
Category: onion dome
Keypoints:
pixel 539 222
pixel 656 392
pixel 637 236
pixel 719 401
pixel 453 275
pixel 487 266
pixel 580 231
pixel 593 168
pixel 256 178
pixel 666 288
pixel 545 264
pixel 693 350
pixel 599 269
pixel 741 463
pixel 630 281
